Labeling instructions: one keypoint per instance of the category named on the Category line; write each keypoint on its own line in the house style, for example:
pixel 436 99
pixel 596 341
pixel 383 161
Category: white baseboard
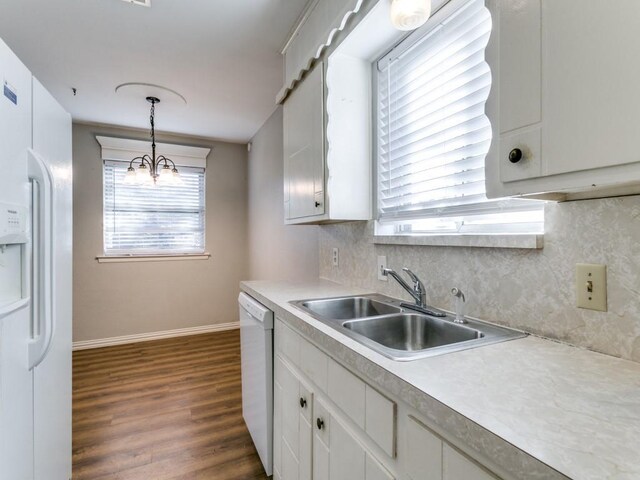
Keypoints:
pixel 145 337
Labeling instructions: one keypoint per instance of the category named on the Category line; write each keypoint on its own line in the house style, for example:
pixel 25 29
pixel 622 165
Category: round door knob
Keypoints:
pixel 303 402
pixel 515 155
pixel 320 423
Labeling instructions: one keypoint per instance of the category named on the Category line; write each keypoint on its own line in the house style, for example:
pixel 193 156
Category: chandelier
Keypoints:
pixel 152 170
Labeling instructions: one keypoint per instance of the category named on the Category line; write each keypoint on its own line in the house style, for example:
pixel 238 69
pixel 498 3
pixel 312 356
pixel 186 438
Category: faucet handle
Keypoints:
pixel 456 292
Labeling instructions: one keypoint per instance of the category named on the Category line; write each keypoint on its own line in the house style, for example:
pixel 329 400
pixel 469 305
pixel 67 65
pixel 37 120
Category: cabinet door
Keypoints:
pixel 293 403
pixel 568 96
pixel 423 452
pixel 337 453
pixel 456 466
pixel 304 148
pixel 591 101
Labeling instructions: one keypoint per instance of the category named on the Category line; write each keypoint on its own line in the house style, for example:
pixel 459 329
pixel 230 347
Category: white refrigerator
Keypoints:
pixel 35 278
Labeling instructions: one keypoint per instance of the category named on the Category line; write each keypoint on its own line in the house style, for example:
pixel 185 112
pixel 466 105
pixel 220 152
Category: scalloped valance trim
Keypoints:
pixel 291 83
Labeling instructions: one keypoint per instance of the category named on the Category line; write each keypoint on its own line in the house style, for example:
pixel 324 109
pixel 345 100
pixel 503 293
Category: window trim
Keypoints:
pixel 152 255
pixel 124 149
pixel 152 258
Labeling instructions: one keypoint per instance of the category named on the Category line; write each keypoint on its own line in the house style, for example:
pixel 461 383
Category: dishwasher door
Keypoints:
pixel 256 342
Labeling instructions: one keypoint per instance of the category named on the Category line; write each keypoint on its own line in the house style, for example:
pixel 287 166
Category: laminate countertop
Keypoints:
pixel 537 408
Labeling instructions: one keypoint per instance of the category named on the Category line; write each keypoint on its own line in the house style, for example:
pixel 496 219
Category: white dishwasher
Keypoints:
pixel 256 343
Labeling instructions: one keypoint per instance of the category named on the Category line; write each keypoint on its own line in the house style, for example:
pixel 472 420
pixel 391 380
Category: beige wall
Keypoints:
pixel 276 251
pixel 130 298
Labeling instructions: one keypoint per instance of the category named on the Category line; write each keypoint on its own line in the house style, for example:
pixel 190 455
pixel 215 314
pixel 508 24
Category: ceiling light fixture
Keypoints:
pixel 147 172
pixel 409 14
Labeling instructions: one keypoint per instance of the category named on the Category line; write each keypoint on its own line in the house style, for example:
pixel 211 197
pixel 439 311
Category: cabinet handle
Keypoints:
pixel 303 402
pixel 515 155
pixel 318 204
pixel 320 423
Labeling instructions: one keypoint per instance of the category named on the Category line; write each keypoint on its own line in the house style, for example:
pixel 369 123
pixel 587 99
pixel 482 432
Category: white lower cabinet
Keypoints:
pixel 341 456
pixel 429 457
pixel 313 442
pixel 423 452
pixel 331 425
pixel 293 403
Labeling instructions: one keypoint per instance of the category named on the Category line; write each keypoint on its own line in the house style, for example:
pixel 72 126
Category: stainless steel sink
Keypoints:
pixel 396 331
pixel 411 332
pixel 344 308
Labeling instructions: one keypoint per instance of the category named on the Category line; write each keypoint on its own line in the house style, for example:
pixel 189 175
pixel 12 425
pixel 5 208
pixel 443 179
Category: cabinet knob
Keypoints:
pixel 515 155
pixel 320 423
pixel 303 402
pixel 318 204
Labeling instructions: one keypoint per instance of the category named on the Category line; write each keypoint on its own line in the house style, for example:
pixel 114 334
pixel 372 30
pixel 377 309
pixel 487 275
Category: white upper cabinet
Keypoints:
pixel 565 103
pixel 323 184
pixel 304 149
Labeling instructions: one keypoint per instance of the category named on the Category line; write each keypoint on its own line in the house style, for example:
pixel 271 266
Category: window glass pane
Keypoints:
pixel 433 134
pixel 153 219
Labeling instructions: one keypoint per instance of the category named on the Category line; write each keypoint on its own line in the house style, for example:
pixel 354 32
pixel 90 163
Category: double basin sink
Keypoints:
pixel 392 328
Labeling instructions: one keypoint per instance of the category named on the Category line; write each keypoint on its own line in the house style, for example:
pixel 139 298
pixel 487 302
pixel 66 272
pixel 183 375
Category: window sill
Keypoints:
pixel 527 241
pixel 152 258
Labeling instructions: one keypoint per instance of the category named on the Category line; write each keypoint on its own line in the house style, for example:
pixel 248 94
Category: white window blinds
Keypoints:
pixel 432 131
pixel 153 219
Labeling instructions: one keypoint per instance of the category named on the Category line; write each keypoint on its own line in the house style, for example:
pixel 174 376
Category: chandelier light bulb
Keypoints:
pixel 131 178
pixel 177 179
pixel 166 176
pixel 409 14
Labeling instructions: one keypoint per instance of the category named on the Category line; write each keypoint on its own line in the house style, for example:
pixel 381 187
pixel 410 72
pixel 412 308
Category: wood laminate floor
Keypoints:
pixel 161 410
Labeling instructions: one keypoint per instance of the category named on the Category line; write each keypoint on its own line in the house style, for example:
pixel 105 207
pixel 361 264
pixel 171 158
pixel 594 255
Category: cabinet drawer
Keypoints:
pixel 287 342
pixel 371 411
pixel 348 392
pixel 457 466
pixel 380 420
pixel 314 364
pixel 423 452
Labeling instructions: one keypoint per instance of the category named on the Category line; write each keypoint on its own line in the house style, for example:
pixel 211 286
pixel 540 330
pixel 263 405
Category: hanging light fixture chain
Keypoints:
pixel 148 167
pixel 153 123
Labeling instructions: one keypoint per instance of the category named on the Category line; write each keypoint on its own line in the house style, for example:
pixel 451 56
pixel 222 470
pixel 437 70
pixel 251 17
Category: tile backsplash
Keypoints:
pixel 532 290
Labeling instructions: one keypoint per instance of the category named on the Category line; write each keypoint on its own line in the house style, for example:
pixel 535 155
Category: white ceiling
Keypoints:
pixel 222 56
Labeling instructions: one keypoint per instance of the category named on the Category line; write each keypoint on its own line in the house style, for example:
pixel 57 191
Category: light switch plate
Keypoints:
pixel 591 286
pixel 382 263
pixel 335 257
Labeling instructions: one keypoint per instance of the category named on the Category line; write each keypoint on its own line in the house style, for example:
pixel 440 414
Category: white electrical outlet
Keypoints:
pixel 335 257
pixel 382 263
pixel 591 286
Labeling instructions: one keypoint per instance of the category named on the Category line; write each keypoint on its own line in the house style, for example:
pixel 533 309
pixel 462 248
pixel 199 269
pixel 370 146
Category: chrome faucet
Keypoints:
pixel 417 291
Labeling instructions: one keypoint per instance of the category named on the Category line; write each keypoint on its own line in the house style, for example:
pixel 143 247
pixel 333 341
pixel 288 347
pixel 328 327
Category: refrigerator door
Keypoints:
pixel 52 376
pixel 15 127
pixel 16 398
pixel 16 380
